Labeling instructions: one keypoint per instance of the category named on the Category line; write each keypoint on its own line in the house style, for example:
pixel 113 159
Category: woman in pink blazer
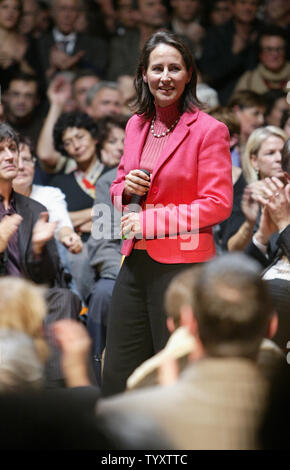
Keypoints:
pixel 188 191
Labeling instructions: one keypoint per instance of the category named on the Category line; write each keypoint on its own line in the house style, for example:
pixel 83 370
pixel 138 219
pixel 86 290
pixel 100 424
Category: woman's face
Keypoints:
pixel 268 159
pixel 9 13
pixel 166 75
pixel 113 147
pixel 274 118
pixel 80 145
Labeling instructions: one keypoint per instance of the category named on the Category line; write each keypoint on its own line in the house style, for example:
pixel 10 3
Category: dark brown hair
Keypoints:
pixel 144 102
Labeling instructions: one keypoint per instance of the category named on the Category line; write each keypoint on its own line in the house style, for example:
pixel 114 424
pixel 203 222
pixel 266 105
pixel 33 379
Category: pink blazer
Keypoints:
pixel 191 183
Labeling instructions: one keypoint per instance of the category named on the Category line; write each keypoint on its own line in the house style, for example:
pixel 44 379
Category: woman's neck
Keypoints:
pixel 87 166
pixel 167 114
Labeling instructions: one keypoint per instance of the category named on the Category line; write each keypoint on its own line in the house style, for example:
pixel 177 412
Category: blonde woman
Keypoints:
pixel 262 159
pixel 22 312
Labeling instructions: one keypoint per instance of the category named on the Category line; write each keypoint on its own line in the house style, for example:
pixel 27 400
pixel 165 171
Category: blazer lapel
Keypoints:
pixel 137 141
pixel 25 228
pixel 177 136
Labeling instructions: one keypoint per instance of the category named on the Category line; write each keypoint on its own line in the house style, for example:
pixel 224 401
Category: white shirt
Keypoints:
pixel 54 200
pixel 69 39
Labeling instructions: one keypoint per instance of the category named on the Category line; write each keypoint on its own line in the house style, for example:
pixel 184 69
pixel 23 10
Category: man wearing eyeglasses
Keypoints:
pixel 273 70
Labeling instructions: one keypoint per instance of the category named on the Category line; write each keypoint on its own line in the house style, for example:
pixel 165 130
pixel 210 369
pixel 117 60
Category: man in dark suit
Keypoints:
pixel 65 49
pixel 26 237
pixel 27 246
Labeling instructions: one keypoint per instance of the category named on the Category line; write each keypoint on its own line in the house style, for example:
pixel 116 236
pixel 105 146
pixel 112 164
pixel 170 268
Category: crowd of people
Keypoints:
pixel 178 107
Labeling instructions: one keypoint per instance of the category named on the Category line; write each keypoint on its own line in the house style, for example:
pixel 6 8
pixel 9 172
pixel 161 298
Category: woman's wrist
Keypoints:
pixel 262 238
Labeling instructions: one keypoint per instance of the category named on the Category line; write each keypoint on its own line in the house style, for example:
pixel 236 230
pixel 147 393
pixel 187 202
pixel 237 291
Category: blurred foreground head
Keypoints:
pixel 232 307
pixel 22 309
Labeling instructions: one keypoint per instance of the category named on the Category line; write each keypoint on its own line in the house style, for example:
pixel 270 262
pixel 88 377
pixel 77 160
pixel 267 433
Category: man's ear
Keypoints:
pixel 273 325
pixel 187 319
pixel 170 324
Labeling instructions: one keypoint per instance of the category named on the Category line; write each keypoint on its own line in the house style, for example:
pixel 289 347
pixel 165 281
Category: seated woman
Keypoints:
pixel 262 159
pixel 77 136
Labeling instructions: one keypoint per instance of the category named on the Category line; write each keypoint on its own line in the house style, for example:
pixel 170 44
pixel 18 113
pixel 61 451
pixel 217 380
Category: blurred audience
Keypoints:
pixel 277 12
pixel 104 99
pixel 82 55
pixel 217 13
pixel 149 16
pixel 64 48
pixel 276 104
pixel 230 49
pixel 285 122
pixel 249 108
pixel 185 20
pixel 273 69
pixel 232 312
pixel 262 160
pixel 22 313
pixel 13 45
pixel 83 81
pixel 52 198
pixel 22 109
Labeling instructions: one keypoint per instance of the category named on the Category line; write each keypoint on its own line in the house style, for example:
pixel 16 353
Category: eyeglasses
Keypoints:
pixel 268 50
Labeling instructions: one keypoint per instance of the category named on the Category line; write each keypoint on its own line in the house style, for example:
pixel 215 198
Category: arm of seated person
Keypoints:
pixel 243 236
pixel 79 218
pixel 70 239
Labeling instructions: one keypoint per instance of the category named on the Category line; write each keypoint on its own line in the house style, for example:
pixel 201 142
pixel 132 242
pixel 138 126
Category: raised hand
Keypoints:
pixel 43 231
pixel 249 206
pixel 59 90
pixel 8 226
pixel 278 204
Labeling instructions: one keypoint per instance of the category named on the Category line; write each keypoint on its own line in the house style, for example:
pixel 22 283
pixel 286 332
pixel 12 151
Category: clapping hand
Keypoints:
pixel 276 209
pixel 8 226
pixel 43 231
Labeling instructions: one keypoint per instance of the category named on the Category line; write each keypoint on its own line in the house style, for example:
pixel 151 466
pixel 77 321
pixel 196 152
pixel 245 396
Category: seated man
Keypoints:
pixel 218 401
pixel 273 69
pixel 52 198
pixel 27 246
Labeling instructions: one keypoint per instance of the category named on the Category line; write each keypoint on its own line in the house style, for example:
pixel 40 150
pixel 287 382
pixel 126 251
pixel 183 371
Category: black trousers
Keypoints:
pixel 137 326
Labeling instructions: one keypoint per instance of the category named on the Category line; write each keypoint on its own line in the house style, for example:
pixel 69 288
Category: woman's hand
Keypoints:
pixel 131 226
pixel 249 206
pixel 136 182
